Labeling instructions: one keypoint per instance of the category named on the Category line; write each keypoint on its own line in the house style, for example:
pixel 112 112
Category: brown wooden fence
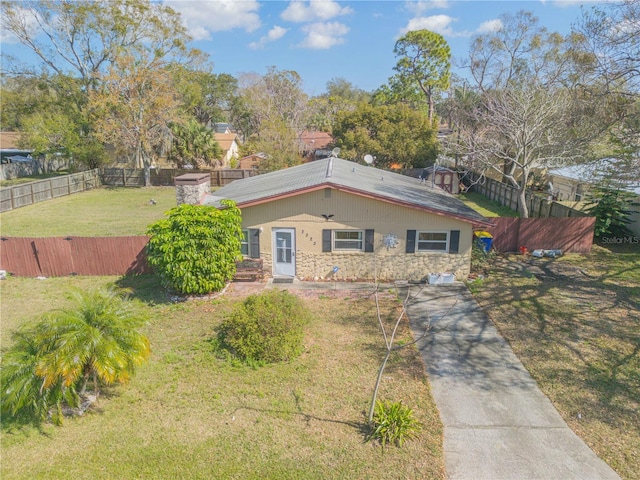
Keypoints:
pixel 571 235
pixel 61 256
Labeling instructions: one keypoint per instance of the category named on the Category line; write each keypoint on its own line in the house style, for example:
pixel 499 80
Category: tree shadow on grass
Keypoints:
pixel 146 288
pixel 574 311
pixel 362 428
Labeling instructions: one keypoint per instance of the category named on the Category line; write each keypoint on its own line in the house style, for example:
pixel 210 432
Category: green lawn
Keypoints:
pixel 94 213
pixel 189 414
pixel 486 207
pixel 575 324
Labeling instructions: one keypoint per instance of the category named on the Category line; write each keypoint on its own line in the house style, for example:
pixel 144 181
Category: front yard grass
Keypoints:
pixel 106 211
pixel 574 322
pixel 189 414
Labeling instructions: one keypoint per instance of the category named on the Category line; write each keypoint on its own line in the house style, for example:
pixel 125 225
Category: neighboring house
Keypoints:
pixel 229 143
pixel 222 128
pixel 252 162
pixel 573 183
pixel 315 145
pixel 9 147
pixel 337 219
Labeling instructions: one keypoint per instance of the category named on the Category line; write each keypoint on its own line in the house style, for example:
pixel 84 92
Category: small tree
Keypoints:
pixel 610 207
pixel 194 250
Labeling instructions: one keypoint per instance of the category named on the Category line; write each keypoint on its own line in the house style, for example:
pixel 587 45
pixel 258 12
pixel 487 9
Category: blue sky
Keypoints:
pixel 354 40
pixel 325 39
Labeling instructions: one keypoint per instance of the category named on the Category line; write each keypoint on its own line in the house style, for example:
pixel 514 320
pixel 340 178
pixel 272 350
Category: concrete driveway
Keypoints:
pixel 497 422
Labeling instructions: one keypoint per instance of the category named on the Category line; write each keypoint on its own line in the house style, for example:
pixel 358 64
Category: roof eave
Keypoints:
pixel 365 194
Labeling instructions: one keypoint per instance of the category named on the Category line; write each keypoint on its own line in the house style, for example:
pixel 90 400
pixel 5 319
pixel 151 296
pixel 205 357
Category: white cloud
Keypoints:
pixel 27 18
pixel 300 11
pixel 443 24
pixel 420 6
pixel 490 26
pixel 436 23
pixel 323 35
pixel 201 18
pixel 274 34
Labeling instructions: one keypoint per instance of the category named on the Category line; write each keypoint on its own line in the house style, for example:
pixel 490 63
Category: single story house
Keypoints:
pixel 252 162
pixel 573 183
pixel 9 147
pixel 315 144
pixel 336 219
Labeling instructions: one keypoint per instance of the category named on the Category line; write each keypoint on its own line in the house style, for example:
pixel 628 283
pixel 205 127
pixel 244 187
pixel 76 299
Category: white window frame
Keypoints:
pixel 335 240
pixel 445 242
pixel 244 242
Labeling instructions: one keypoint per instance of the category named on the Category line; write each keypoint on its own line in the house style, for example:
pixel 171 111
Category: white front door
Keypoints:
pixel 284 252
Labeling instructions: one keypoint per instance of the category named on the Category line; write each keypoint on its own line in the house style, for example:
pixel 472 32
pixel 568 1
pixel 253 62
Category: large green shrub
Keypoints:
pixel 265 328
pixel 194 250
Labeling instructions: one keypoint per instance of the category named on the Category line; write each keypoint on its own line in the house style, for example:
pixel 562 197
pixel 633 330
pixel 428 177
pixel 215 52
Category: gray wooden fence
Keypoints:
pixel 132 177
pixel 538 205
pixel 42 190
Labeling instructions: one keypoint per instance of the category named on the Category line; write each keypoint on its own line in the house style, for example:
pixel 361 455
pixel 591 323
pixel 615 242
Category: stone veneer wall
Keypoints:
pixel 191 194
pixel 360 266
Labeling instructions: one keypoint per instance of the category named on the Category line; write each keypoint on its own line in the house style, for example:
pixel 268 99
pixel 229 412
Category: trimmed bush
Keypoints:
pixel 393 423
pixel 265 328
pixel 194 250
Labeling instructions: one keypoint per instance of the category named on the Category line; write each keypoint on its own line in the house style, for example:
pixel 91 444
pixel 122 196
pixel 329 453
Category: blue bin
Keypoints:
pixel 485 240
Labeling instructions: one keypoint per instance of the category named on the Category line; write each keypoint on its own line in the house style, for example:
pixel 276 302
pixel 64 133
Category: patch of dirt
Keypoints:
pixel 541 268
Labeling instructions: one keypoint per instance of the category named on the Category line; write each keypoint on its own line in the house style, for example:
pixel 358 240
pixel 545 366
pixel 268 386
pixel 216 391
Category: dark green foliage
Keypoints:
pixel 393 423
pixel 194 250
pixel 265 328
pixel 610 207
pixel 394 134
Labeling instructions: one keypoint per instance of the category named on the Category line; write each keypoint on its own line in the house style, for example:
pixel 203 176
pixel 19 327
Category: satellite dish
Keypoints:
pixel 335 152
pixel 368 159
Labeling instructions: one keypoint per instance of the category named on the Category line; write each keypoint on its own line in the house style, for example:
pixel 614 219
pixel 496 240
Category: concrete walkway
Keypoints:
pixel 497 423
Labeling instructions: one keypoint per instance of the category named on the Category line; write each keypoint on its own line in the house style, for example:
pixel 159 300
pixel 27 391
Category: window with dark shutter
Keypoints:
pixel 254 243
pixel 368 240
pixel 326 240
pixel 411 241
pixel 454 241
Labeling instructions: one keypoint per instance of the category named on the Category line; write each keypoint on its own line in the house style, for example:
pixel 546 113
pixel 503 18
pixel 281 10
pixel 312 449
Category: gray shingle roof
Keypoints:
pixel 348 176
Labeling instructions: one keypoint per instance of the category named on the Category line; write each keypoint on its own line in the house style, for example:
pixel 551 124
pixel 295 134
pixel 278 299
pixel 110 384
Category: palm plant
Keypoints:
pixel 24 395
pixel 95 340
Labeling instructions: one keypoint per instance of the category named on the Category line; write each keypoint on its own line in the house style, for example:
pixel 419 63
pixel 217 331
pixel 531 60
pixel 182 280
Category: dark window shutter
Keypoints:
pixel 254 243
pixel 454 241
pixel 326 240
pixel 411 241
pixel 368 240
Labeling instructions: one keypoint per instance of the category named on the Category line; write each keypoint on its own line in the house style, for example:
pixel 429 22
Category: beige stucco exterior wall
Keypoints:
pixel 304 214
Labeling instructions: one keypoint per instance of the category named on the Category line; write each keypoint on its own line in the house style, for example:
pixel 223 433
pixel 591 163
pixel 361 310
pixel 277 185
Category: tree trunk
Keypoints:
pixel 522 203
pixel 147 174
